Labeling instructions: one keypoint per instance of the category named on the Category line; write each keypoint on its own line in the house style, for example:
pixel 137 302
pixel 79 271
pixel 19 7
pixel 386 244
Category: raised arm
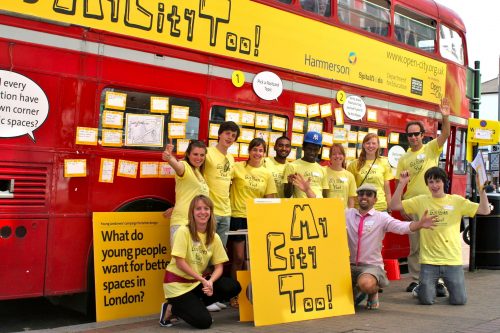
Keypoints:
pixel 484 204
pixel 169 157
pixel 396 203
pixel 445 128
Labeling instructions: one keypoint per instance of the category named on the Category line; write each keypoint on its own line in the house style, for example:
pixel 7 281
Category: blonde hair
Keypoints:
pixel 362 156
pixel 210 232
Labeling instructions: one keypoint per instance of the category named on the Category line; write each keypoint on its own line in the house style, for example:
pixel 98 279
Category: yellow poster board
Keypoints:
pixel 131 253
pixel 299 263
pixel 252 31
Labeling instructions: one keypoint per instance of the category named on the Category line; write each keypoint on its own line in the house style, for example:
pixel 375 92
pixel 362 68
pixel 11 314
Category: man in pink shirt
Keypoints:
pixel 366 228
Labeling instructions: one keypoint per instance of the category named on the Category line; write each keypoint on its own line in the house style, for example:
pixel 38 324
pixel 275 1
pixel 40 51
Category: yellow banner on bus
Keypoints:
pixel 256 32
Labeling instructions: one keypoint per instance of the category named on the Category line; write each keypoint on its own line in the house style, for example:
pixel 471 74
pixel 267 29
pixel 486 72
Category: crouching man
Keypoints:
pixel 366 228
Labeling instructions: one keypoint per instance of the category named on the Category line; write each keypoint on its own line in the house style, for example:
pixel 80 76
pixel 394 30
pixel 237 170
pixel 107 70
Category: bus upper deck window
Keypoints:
pixel 321 7
pixel 372 16
pixel 414 29
pixel 451 45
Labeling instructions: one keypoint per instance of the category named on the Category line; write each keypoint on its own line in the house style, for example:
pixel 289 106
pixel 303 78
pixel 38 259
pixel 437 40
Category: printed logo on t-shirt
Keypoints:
pixel 441 214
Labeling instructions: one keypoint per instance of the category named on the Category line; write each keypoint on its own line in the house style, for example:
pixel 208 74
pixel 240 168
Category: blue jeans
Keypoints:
pixel 454 280
pixel 222 227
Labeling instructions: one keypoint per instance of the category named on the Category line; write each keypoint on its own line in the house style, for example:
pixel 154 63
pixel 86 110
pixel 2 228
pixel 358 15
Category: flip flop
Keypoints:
pixel 372 303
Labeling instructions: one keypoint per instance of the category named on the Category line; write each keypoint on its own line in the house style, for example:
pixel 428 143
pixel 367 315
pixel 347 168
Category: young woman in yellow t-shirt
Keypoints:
pixel 251 180
pixel 371 168
pixel 189 182
pixel 186 287
pixel 341 182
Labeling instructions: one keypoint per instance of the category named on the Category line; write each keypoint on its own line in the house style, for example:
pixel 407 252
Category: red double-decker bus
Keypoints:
pixel 90 93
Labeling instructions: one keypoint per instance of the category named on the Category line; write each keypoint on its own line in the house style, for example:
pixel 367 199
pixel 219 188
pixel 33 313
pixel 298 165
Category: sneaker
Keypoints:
pixel 411 286
pixel 213 307
pixel 164 322
pixel 441 290
pixel 222 306
pixel 414 292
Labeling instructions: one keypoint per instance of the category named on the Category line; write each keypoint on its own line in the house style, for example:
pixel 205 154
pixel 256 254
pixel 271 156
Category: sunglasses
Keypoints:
pixel 413 134
pixel 366 193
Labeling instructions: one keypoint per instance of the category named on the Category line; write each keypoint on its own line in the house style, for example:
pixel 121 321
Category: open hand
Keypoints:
pixel 445 107
pixel 428 221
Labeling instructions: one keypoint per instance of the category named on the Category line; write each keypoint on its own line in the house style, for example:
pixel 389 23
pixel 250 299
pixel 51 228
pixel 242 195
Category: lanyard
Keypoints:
pixel 360 233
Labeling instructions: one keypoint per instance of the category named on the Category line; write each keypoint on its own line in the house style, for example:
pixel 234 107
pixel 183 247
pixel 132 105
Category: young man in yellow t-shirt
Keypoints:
pixel 441 248
pixel 308 168
pixel 219 167
pixel 417 160
pixel 277 164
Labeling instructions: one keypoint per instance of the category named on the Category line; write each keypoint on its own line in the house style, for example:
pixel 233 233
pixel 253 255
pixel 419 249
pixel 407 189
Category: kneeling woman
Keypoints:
pixel 196 246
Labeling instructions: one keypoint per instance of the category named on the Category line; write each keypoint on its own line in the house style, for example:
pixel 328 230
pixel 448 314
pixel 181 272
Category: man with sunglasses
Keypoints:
pixel 417 160
pixel 366 228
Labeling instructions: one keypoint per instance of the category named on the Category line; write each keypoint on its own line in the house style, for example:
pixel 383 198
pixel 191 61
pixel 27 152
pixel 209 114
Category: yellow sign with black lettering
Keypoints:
pixel 131 253
pixel 484 132
pixel 256 32
pixel 299 260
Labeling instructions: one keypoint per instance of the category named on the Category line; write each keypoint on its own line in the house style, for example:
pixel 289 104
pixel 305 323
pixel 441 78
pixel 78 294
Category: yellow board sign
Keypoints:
pixel 484 132
pixel 131 252
pixel 299 260
pixel 256 32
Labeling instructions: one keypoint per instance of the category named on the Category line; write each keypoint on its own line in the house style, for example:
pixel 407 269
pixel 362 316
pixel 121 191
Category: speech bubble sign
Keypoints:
pixel 354 107
pixel 394 155
pixel 23 105
pixel 267 85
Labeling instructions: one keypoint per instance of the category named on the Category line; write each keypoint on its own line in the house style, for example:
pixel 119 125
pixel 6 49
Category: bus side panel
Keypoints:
pixel 68 244
pixel 22 265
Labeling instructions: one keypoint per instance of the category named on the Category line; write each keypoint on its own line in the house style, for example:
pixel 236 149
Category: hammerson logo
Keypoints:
pixel 352 57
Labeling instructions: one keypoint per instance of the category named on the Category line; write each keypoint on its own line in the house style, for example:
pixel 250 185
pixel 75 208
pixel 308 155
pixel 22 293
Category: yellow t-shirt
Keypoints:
pixel 218 173
pixel 443 245
pixel 379 173
pixel 249 183
pixel 314 171
pixel 342 184
pixel 187 187
pixel 197 255
pixel 417 163
pixel 277 170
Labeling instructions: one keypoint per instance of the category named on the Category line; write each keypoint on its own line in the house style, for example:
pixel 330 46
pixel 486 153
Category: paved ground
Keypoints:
pixel 399 312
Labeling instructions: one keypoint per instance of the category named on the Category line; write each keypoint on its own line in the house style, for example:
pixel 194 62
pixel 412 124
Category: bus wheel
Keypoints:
pixel 145 205
pixel 466 235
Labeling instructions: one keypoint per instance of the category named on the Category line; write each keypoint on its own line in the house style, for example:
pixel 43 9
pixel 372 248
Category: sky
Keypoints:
pixel 482 23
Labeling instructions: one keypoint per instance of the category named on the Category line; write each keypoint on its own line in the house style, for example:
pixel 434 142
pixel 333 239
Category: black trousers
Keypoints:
pixel 191 306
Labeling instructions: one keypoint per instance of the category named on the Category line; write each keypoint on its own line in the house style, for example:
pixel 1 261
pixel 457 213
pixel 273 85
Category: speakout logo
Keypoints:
pixel 352 57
